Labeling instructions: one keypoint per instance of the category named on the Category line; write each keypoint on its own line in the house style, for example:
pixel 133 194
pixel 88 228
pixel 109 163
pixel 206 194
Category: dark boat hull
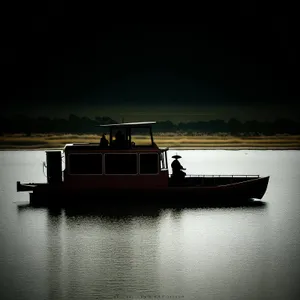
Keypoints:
pixel 231 193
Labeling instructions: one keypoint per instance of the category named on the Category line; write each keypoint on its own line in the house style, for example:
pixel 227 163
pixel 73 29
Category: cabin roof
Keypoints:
pixel 132 124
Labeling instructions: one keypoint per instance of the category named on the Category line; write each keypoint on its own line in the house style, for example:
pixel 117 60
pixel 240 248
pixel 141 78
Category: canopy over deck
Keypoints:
pixel 127 129
pixel 129 125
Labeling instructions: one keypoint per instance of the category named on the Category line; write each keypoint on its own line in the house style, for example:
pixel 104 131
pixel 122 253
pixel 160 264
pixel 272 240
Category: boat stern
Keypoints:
pixel 25 187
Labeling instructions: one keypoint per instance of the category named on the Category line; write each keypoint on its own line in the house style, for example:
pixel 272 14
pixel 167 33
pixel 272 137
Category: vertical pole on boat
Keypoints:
pixel 128 135
pixel 151 136
pixel 166 160
pixel 110 136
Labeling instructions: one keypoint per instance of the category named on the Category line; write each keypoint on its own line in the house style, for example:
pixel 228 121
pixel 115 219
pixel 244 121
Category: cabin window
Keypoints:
pixel 88 164
pixel 121 163
pixel 149 163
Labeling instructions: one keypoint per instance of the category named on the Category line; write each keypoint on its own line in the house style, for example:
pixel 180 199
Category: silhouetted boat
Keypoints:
pixel 124 172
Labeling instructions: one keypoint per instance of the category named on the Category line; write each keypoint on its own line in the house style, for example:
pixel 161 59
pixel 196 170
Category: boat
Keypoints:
pixel 123 171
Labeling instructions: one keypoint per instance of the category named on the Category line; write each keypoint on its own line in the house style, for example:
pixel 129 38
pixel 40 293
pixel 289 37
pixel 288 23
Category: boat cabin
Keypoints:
pixel 126 156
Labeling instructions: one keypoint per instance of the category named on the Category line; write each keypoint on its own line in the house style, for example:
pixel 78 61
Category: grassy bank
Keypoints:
pixel 46 141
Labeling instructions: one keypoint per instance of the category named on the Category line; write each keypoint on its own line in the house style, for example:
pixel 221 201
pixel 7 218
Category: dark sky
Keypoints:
pixel 59 58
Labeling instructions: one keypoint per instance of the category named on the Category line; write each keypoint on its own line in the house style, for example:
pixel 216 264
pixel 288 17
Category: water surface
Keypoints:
pixel 238 253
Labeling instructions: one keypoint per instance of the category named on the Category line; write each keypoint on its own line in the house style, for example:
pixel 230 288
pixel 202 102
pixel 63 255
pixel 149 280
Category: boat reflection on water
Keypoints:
pixel 124 211
pixel 103 250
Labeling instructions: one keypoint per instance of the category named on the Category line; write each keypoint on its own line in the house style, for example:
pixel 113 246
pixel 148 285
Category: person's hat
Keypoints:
pixel 176 156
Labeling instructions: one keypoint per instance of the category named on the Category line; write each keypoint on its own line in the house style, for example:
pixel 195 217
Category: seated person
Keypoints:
pixel 177 167
pixel 103 141
pixel 119 141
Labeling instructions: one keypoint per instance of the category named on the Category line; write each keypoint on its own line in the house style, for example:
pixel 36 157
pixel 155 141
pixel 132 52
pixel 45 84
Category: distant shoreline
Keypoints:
pixel 173 142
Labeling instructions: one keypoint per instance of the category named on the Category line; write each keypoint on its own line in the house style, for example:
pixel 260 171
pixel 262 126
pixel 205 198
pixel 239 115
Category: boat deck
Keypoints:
pixel 189 180
pixel 210 180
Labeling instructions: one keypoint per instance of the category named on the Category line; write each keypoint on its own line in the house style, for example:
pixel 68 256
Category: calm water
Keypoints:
pixel 249 253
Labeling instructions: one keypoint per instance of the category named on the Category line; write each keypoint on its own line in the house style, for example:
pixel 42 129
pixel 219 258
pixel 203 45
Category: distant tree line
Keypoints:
pixel 84 125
